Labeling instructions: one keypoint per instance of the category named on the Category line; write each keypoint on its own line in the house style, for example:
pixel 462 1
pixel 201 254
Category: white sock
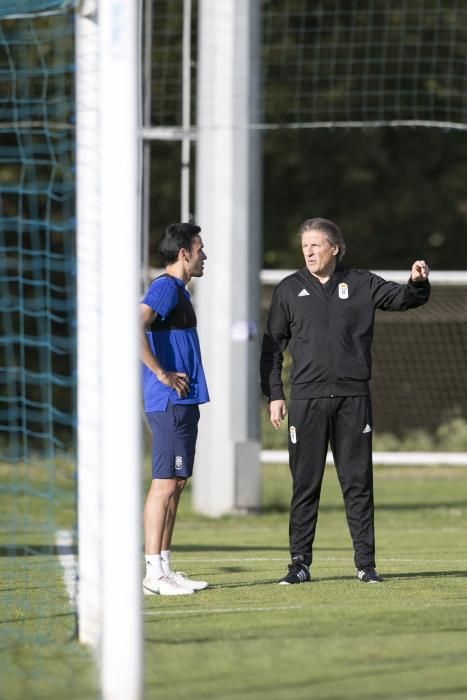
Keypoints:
pixel 154 565
pixel 165 561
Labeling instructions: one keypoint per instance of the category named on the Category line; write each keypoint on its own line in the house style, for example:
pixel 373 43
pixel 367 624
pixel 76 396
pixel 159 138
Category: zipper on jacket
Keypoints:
pixel 327 301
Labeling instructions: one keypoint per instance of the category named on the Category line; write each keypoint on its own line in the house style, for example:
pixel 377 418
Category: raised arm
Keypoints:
pixel 390 296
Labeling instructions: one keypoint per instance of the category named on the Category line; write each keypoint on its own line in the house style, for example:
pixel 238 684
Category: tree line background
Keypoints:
pixel 397 193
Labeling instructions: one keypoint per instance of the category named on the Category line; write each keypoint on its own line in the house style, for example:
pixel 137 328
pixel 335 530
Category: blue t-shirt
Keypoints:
pixel 173 339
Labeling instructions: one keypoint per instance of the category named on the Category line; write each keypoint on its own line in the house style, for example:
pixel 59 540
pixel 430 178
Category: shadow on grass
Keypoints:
pixel 275 581
pixel 227 548
pixel 18 620
pixel 246 548
pixel 248 584
pixel 32 550
pixel 275 508
pixel 328 579
pixel 288 688
pixel 44 586
pixel 426 574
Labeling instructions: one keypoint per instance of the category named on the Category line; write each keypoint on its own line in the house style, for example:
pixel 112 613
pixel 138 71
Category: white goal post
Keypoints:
pixel 109 459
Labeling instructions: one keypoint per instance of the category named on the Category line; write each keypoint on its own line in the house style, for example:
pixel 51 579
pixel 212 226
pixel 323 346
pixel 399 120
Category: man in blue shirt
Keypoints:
pixel 173 386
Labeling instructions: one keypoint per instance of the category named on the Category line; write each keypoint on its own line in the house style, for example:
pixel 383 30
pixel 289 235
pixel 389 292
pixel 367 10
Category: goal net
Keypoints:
pixel 64 238
pixel 368 63
pixel 419 375
pixel 37 306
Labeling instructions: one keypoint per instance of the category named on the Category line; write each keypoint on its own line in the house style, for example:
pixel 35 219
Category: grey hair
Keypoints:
pixel 331 231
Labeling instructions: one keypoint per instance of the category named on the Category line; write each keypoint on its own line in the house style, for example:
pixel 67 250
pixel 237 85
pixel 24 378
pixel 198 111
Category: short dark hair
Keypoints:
pixel 174 238
pixel 328 227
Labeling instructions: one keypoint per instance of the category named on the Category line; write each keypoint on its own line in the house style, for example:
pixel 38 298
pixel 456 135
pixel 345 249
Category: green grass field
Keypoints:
pixel 247 637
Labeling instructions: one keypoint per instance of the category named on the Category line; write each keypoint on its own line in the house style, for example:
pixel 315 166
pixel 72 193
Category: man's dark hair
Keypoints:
pixel 174 238
pixel 328 227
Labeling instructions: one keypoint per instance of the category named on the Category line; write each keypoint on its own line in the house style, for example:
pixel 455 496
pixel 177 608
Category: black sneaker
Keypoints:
pixel 369 575
pixel 298 573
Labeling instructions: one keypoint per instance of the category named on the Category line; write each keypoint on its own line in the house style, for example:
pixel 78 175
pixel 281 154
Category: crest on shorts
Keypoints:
pixel 293 434
pixel 343 291
pixel 178 462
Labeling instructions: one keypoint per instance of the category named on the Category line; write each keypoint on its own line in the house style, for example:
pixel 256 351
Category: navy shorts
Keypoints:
pixel 174 434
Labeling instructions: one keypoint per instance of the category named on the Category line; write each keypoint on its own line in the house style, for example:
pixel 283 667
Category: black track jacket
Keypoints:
pixel 329 330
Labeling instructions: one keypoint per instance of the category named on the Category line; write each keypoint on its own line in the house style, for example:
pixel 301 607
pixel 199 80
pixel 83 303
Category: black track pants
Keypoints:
pixel 344 423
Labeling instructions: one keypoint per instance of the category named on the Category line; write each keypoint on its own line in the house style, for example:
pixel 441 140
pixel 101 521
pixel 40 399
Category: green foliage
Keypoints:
pixel 396 193
pixel 451 436
pixel 413 441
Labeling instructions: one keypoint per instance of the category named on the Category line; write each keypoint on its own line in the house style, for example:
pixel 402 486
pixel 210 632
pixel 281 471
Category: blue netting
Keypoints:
pixel 37 253
pixel 10 8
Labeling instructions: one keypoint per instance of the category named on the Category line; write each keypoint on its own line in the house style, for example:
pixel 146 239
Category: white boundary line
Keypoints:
pixel 68 561
pixel 218 611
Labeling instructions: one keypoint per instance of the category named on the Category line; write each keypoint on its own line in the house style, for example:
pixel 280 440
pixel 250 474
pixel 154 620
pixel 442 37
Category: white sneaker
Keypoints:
pixel 164 586
pixel 182 580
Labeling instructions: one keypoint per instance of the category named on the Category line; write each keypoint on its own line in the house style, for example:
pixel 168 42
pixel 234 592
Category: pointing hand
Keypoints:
pixel 420 271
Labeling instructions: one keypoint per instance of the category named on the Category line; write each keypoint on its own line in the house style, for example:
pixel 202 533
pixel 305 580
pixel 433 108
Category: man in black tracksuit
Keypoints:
pixel 325 314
